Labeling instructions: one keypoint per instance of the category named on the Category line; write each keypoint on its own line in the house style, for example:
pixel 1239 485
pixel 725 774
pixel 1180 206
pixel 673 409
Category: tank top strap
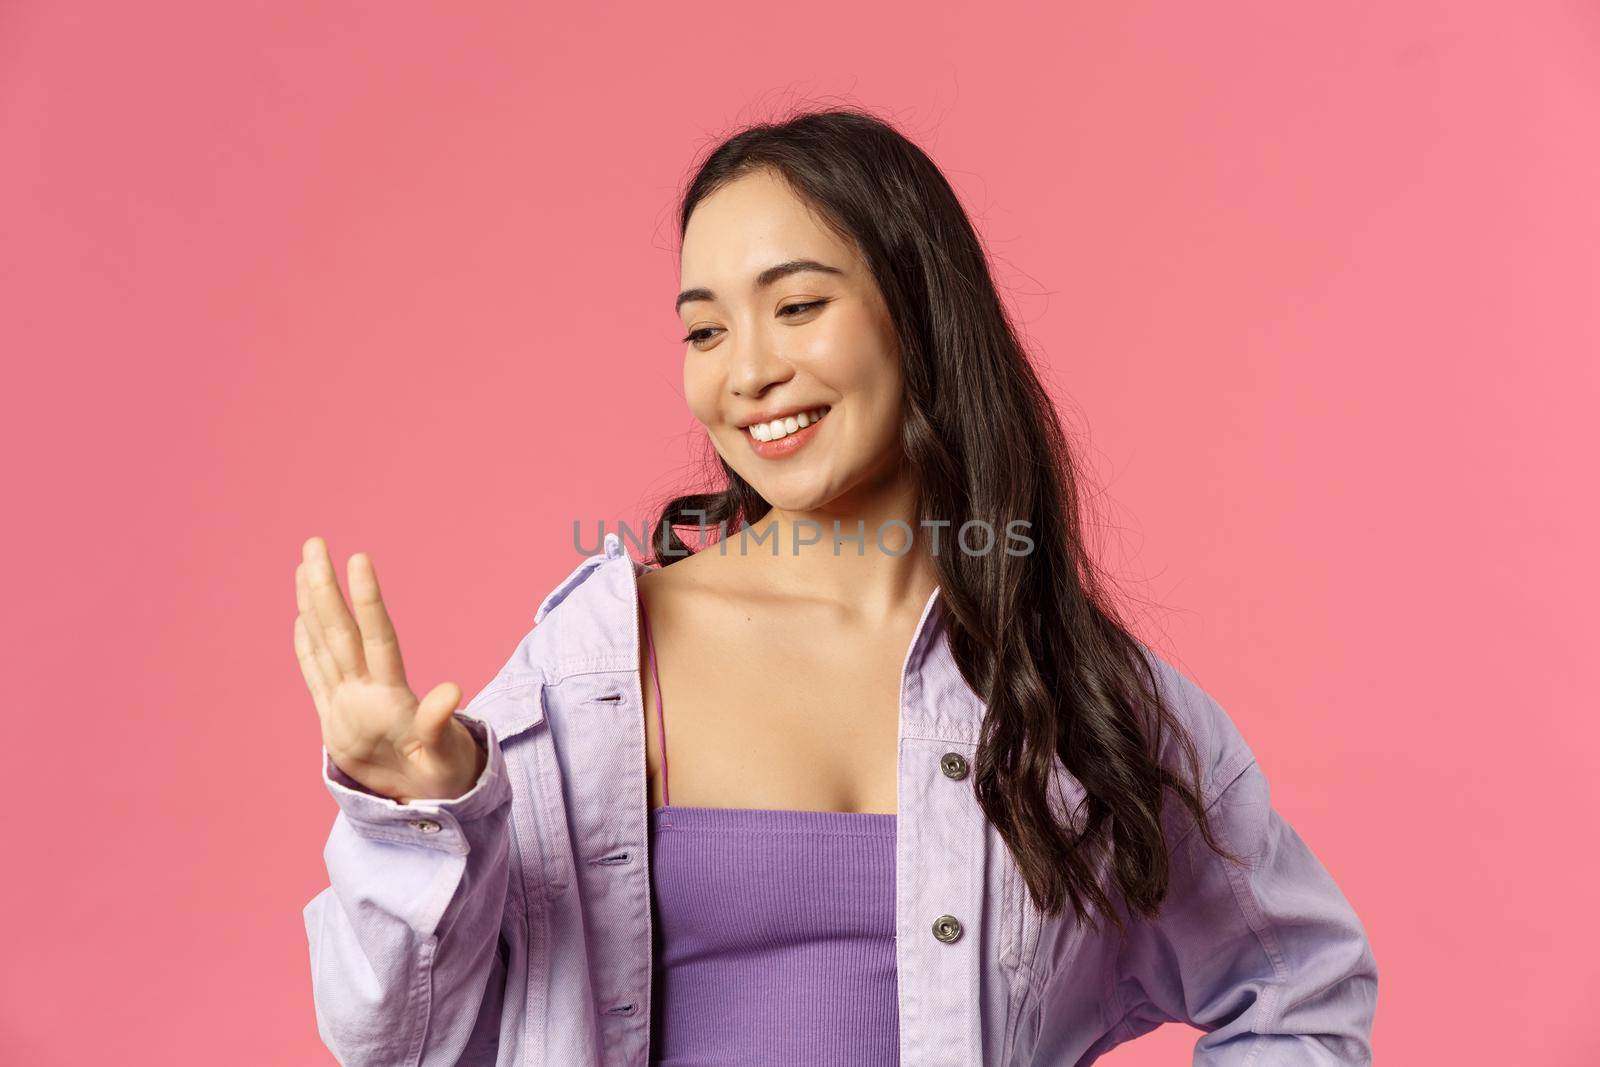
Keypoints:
pixel 661 719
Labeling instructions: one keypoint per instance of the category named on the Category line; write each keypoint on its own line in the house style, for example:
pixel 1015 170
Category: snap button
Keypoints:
pixel 427 826
pixel 946 928
pixel 953 764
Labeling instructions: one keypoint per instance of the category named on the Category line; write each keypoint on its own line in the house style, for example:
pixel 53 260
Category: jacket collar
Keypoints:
pixel 597 630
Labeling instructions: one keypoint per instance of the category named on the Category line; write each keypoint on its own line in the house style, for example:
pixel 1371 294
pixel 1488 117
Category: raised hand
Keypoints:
pixel 373 726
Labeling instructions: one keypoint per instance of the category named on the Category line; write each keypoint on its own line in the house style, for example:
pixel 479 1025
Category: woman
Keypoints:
pixel 924 799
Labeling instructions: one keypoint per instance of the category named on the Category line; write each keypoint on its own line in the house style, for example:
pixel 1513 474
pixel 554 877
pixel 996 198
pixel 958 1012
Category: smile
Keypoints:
pixel 783 437
pixel 778 429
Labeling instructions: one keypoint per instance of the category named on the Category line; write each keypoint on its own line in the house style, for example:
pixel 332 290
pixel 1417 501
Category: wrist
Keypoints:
pixel 477 757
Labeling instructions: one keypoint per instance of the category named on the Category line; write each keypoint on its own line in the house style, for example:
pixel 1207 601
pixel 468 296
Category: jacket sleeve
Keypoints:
pixel 1268 958
pixel 405 961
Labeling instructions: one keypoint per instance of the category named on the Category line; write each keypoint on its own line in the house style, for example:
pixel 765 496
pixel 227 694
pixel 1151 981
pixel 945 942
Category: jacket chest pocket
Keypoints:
pixel 1032 945
pixel 546 814
pixel 538 816
pixel 1019 918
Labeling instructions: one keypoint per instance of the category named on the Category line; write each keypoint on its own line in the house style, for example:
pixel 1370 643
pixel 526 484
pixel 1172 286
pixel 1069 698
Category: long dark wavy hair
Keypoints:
pixel 984 442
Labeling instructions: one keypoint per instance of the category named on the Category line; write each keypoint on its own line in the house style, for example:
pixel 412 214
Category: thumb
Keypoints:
pixel 435 711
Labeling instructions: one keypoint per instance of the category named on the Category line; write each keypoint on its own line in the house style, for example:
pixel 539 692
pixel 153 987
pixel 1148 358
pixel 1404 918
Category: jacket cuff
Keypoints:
pixel 434 824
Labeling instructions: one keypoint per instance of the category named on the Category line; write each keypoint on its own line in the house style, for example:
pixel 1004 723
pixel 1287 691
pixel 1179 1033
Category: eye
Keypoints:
pixel 788 311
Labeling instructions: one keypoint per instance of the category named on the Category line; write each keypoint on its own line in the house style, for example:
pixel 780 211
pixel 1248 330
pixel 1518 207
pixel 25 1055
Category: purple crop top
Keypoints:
pixel 774 933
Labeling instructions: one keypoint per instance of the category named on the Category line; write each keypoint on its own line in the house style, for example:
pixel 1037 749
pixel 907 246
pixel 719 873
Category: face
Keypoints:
pixel 769 342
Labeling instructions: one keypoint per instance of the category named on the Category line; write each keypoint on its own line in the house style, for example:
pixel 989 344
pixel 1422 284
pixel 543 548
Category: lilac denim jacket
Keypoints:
pixel 513 925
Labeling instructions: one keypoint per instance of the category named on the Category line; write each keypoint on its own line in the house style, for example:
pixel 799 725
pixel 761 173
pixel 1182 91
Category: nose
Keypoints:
pixel 754 368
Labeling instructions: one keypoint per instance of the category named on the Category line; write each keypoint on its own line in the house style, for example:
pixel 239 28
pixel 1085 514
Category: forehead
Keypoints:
pixel 748 225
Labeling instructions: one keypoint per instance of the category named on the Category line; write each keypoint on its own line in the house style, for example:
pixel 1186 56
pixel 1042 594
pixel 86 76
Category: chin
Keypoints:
pixel 792 498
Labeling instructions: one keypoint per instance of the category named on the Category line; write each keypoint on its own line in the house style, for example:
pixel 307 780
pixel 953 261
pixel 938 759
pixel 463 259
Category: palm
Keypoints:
pixel 369 724
pixel 374 727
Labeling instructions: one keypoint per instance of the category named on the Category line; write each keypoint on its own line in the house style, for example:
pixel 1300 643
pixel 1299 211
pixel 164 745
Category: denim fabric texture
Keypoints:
pixel 512 926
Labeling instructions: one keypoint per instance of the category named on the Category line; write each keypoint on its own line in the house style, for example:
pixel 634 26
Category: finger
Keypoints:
pixel 435 712
pixel 308 617
pixel 378 641
pixel 339 631
pixel 309 668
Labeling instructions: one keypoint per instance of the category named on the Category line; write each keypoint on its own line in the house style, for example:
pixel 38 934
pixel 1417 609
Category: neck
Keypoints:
pixel 868 556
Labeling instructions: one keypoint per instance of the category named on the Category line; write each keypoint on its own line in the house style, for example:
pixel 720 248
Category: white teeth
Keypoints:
pixel 778 428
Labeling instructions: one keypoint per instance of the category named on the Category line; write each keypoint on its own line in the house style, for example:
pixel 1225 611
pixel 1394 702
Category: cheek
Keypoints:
pixel 870 378
pixel 856 354
pixel 881 392
pixel 699 392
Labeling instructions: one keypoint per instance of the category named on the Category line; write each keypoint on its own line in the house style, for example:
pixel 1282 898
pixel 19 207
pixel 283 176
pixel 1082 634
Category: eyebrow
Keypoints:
pixel 764 279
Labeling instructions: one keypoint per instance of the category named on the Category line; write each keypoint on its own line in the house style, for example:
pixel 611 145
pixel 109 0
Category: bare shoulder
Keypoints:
pixel 703 585
pixel 685 604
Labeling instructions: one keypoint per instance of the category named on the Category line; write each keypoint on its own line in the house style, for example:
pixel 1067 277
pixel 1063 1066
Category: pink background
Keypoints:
pixel 1317 288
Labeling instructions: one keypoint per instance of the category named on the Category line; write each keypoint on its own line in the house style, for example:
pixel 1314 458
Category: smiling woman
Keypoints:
pixel 784 317
pixel 935 806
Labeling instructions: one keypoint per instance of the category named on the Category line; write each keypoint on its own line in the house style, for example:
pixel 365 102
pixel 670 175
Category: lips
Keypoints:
pixel 764 444
pixel 778 428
